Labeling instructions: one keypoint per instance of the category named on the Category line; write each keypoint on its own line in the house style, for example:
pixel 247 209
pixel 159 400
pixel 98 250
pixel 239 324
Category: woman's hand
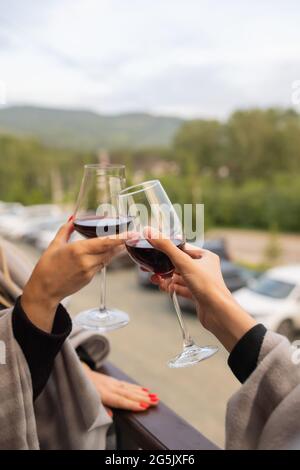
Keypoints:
pixel 62 270
pixel 198 276
pixel 194 280
pixel 123 395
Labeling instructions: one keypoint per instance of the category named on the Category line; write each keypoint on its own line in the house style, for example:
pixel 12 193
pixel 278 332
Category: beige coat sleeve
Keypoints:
pixel 265 412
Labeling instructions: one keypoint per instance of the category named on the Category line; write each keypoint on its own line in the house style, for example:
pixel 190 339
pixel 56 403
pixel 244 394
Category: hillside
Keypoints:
pixel 88 130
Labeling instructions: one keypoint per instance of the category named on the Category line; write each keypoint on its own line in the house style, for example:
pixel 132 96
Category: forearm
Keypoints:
pixel 40 308
pixel 227 320
pixel 238 332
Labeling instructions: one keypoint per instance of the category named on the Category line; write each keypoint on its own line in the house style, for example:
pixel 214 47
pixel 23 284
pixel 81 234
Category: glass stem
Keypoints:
pixel 187 339
pixel 103 292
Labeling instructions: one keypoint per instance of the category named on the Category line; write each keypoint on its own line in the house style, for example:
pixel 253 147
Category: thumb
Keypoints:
pixel 177 256
pixel 64 233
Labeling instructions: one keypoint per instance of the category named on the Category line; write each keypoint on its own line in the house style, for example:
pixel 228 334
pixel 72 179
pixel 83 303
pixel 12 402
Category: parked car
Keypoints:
pixel 20 220
pixel 274 299
pixel 42 227
pixel 10 207
pixel 10 213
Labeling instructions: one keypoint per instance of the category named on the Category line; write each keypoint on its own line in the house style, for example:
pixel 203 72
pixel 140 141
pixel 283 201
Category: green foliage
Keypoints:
pixel 262 143
pixel 273 249
pixel 246 170
pixel 26 167
pixel 256 203
pixel 198 145
pixel 251 143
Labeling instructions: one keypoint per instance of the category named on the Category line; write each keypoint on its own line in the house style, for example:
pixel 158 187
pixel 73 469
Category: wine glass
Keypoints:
pixel 96 215
pixel 147 205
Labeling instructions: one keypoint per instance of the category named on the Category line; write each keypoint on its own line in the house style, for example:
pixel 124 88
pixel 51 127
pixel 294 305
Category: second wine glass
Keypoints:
pixel 96 215
pixel 147 206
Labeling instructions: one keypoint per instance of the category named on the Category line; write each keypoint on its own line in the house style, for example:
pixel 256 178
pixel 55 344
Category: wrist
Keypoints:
pixel 228 321
pixel 90 373
pixel 87 369
pixel 39 307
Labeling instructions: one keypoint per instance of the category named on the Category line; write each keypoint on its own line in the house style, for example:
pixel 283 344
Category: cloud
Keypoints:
pixel 5 41
pixel 198 57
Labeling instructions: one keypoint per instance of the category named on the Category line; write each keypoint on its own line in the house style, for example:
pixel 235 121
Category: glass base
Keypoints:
pixel 102 321
pixel 191 355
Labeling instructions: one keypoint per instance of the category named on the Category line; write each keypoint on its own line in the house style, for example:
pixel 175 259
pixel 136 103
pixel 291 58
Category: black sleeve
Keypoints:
pixel 244 356
pixel 40 348
pixel 84 357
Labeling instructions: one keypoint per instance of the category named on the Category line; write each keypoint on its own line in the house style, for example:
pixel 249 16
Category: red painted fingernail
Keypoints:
pixel 145 389
pixel 152 395
pixel 144 405
pixel 70 218
pixel 154 399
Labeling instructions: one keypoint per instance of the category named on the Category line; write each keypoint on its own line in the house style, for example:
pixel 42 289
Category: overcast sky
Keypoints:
pixel 182 57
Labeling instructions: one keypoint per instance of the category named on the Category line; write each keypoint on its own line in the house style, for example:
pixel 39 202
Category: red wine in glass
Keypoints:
pixel 151 206
pixel 92 227
pixel 96 215
pixel 143 253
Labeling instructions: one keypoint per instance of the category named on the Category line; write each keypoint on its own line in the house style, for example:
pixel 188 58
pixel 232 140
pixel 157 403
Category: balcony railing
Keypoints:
pixel 158 428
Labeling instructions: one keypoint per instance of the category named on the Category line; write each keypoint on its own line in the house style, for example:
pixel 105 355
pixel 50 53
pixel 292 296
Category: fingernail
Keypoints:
pixel 152 395
pixel 70 218
pixel 154 399
pixel 144 405
pixel 145 389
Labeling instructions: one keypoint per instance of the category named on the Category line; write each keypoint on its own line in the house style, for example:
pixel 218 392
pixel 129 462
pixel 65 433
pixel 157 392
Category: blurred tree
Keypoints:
pixel 262 142
pixel 273 249
pixel 246 170
pixel 198 146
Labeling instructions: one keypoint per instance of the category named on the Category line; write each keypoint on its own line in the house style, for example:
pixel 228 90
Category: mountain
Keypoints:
pixel 88 130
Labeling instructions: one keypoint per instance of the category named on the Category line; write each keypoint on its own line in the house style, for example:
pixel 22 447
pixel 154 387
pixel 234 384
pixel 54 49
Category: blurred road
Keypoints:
pixel 250 245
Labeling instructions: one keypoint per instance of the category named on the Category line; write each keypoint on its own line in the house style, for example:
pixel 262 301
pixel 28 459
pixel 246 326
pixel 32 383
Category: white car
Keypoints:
pixel 274 299
pixel 10 214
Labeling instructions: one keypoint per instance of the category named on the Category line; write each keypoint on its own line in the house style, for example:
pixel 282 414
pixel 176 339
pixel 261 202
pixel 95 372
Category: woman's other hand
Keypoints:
pixel 122 395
